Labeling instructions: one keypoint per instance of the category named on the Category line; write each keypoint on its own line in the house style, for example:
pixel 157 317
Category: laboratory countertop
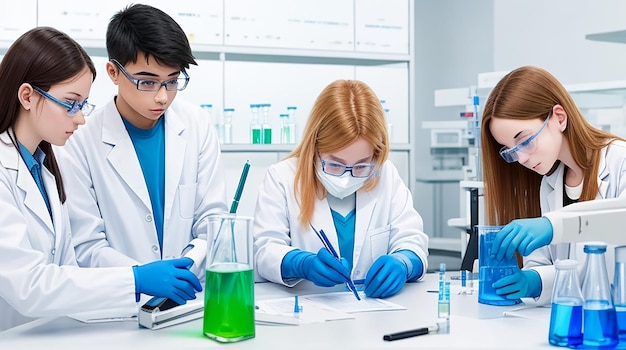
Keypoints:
pixel 472 326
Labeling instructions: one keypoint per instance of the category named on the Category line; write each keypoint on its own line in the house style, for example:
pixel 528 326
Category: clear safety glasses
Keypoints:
pixel 72 108
pixel 338 169
pixel 527 146
pixel 178 84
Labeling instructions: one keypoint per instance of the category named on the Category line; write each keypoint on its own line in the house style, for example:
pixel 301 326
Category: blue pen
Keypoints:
pixel 322 236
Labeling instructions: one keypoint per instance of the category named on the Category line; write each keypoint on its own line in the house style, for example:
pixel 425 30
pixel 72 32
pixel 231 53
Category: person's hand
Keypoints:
pixel 523 235
pixel 325 270
pixel 521 284
pixel 322 268
pixel 167 278
pixel 385 277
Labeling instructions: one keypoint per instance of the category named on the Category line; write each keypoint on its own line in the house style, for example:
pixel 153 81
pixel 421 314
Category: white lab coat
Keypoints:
pixel 108 201
pixel 385 223
pixel 38 272
pixel 612 184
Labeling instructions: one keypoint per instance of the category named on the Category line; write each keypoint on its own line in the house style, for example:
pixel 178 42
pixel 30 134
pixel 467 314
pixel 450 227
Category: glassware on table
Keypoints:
pixel 491 269
pixel 599 316
pixel 229 292
pixel 619 292
pixel 566 317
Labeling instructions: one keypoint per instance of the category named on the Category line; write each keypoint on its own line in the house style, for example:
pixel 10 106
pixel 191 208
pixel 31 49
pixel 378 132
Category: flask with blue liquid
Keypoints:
pixel 619 293
pixel 599 316
pixel 566 317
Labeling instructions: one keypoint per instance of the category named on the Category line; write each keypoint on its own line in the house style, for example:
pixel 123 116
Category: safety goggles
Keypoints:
pixel 528 146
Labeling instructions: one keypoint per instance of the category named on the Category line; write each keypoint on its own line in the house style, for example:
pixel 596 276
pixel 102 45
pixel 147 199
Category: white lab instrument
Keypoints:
pixel 161 312
pixel 598 220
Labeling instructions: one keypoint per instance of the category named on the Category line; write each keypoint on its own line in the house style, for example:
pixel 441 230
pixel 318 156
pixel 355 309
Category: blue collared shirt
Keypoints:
pixel 34 164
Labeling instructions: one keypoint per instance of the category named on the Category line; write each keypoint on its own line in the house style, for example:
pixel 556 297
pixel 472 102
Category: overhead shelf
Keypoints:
pixel 618 36
pixel 607 94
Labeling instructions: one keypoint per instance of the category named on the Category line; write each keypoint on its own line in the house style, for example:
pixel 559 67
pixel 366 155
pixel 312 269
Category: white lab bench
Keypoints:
pixel 472 326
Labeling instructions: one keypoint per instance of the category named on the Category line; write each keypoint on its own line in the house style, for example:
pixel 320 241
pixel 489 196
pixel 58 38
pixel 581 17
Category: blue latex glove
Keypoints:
pixel 385 277
pixel 521 284
pixel 322 268
pixel 167 278
pixel 523 235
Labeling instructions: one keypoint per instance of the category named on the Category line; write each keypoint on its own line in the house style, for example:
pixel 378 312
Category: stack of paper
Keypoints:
pixel 317 308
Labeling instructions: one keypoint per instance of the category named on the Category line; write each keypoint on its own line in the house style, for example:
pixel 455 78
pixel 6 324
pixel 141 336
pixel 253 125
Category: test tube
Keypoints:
pixel 227 131
pixel 443 302
pixel 255 125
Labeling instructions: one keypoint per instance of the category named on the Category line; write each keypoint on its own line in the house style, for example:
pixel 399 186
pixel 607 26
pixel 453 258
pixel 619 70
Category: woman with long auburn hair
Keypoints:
pixel 540 154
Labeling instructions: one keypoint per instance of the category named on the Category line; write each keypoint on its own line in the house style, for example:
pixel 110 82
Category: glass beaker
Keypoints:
pixel 229 292
pixel 491 269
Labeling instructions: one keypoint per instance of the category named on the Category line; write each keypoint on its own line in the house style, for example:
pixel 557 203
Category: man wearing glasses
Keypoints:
pixel 145 170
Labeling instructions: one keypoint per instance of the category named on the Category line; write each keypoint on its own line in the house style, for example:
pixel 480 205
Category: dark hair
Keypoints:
pixel 42 57
pixel 142 28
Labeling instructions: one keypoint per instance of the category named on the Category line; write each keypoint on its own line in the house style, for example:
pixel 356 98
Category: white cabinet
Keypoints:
pixel 16 19
pixel 281 52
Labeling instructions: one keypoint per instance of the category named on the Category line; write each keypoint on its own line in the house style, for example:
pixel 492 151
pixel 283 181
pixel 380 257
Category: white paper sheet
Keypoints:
pixel 318 308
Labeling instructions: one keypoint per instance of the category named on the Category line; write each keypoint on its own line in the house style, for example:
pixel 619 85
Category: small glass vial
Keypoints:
pixel 566 318
pixel 288 126
pixel 255 126
pixel 599 316
pixel 228 125
pixel 216 120
pixel 266 127
pixel 443 301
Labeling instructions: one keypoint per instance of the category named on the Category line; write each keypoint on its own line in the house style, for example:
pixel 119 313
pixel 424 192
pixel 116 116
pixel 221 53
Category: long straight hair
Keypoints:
pixel 42 57
pixel 512 190
pixel 343 112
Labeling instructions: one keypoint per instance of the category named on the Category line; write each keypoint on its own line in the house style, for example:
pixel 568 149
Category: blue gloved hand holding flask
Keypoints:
pixel 521 284
pixel 522 235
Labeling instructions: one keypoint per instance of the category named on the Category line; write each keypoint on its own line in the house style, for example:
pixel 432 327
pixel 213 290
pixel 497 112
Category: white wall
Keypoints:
pixel 551 34
pixel 453 43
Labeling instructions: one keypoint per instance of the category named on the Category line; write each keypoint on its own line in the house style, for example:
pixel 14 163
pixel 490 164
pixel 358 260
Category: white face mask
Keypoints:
pixel 341 186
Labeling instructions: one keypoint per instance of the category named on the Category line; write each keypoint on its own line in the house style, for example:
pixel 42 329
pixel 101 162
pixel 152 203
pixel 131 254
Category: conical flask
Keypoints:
pixel 599 317
pixel 566 316
pixel 619 293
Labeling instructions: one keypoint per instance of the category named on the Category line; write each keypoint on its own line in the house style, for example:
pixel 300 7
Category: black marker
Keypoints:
pixel 411 333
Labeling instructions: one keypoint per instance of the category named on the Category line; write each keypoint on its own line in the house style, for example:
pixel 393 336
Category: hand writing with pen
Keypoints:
pixel 325 268
pixel 322 268
pixel 386 276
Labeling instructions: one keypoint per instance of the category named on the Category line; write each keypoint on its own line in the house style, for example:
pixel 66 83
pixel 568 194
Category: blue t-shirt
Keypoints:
pixel 150 148
pixel 344 225
pixel 34 164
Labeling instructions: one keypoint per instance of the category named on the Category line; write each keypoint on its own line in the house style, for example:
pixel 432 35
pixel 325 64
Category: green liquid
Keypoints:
pixel 256 136
pixel 229 303
pixel 267 136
